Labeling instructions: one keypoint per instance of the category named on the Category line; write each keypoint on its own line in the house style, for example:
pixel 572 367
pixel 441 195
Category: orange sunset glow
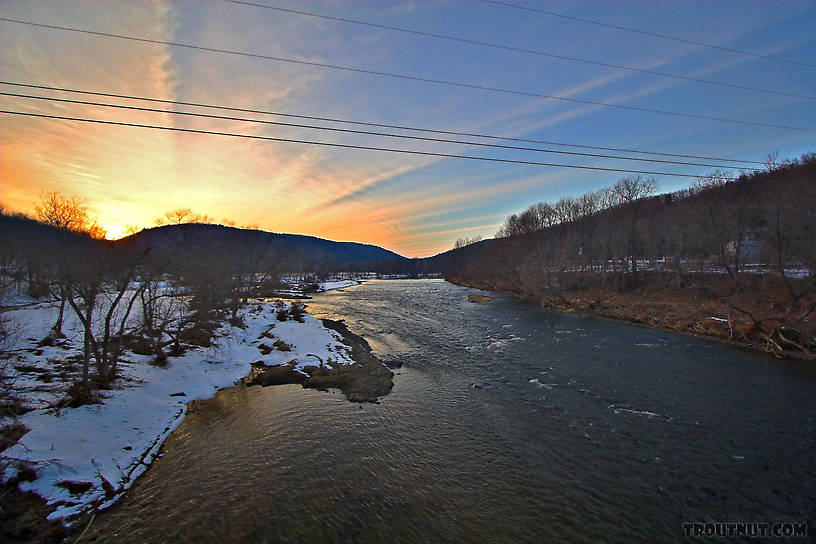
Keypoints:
pixel 278 61
pixel 130 176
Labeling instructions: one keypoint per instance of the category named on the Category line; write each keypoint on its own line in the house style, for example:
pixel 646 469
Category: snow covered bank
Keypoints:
pixel 337 284
pixel 86 457
pixel 301 288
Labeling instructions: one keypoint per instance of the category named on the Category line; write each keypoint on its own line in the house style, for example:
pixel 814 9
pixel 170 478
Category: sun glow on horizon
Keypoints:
pixel 414 205
pixel 114 231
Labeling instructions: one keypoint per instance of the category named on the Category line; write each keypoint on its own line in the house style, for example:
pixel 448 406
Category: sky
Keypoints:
pixel 416 205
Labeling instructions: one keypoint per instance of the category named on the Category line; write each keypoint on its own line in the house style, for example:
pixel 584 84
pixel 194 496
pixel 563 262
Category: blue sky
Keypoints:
pixel 414 205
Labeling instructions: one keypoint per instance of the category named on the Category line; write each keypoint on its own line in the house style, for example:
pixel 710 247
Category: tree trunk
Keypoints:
pixel 86 356
pixel 56 330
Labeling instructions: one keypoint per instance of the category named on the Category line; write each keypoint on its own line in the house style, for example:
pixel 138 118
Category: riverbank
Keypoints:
pixel 692 309
pixel 365 380
pixel 506 423
pixel 71 462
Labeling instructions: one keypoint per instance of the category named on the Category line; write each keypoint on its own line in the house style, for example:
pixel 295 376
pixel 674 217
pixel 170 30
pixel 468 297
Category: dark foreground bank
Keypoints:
pixel 23 516
pixel 365 381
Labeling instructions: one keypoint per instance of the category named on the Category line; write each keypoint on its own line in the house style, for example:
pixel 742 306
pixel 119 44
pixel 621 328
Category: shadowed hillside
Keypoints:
pixel 295 251
pixel 729 258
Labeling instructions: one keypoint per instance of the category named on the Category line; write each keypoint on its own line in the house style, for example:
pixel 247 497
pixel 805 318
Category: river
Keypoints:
pixel 506 424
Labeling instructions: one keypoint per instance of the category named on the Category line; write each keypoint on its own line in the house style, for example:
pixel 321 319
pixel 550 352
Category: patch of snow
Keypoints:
pixel 537 383
pixel 116 441
pixel 337 284
pixel 16 299
pixel 497 345
pixel 650 415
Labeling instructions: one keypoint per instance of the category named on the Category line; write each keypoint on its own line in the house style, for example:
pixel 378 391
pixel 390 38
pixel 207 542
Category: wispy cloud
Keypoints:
pixel 412 204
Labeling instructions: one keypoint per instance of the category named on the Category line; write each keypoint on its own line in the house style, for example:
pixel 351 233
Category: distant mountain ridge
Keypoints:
pixel 297 247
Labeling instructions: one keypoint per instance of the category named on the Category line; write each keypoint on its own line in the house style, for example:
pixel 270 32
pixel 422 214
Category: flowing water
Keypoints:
pixel 506 424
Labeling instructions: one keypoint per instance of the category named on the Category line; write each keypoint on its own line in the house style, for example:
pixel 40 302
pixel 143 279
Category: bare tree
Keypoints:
pixel 253 270
pixel 771 161
pixel 98 278
pixel 162 310
pixel 96 231
pixel 466 241
pixel 631 191
pixel 536 217
pixel 180 215
pixel 728 216
pixel 132 229
pixel 57 210
pixel 68 213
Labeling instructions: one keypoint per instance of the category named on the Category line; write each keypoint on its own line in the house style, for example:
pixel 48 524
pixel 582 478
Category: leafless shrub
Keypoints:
pixel 297 311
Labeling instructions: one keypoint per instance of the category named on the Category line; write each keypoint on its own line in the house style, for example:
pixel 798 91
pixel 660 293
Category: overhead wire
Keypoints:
pixel 361 132
pixel 649 33
pixel 521 50
pixel 349 146
pixel 364 123
pixel 414 78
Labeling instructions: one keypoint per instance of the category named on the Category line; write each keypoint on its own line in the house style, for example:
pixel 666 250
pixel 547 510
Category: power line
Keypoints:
pixel 363 132
pixel 523 50
pixel 414 78
pixel 380 125
pixel 648 33
pixel 348 146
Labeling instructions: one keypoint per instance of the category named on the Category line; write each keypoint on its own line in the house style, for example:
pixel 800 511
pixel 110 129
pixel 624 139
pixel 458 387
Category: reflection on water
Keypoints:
pixel 506 423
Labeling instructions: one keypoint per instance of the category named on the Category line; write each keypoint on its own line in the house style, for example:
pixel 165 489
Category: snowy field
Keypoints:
pixel 87 457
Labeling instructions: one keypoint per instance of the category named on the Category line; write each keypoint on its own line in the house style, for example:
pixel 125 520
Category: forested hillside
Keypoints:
pixel 291 252
pixel 729 257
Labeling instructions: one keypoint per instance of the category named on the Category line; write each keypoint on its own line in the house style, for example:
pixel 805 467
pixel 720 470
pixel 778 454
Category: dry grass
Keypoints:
pixel 11 434
pixel 282 346
pixel 80 394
